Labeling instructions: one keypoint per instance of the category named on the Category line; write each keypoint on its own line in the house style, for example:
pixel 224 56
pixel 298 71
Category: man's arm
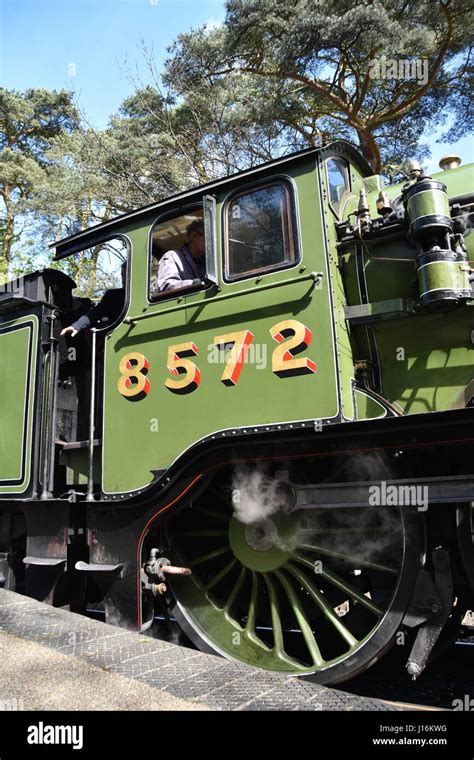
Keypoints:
pixel 169 273
pixel 109 306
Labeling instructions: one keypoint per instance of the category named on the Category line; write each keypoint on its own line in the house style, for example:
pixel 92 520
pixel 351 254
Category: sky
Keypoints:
pixel 93 48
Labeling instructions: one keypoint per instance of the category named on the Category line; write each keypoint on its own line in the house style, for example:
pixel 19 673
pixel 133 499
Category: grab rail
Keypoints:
pixel 315 276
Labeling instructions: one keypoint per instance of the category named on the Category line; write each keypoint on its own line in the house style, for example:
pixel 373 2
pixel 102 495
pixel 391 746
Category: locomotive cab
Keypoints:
pixel 247 319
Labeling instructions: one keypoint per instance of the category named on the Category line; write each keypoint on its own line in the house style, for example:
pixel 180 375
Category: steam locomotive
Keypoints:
pixel 277 457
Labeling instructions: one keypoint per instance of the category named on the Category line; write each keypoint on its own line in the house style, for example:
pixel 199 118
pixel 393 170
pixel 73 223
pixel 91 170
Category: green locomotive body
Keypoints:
pixel 250 426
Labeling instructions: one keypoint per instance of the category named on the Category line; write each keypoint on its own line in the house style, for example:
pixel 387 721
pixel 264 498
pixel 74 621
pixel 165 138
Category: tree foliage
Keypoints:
pixel 379 72
pixel 28 123
pixel 277 76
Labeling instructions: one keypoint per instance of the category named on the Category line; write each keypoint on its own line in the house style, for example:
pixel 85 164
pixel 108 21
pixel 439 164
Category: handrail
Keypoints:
pixel 315 276
pixel 90 457
pixel 50 412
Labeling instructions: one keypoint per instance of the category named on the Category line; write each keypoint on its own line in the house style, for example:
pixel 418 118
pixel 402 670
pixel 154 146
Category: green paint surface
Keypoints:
pixel 426 360
pixel 154 431
pixel 15 406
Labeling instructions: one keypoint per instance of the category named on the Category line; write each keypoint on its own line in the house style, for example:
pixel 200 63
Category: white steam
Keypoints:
pixel 254 496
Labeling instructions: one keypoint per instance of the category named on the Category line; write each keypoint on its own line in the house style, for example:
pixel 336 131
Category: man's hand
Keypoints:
pixel 69 331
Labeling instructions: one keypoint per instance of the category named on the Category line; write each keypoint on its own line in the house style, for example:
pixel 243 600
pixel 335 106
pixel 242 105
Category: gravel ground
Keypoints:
pixel 34 677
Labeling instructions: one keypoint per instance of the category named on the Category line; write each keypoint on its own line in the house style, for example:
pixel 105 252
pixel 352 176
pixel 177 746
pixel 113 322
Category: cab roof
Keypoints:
pixel 101 232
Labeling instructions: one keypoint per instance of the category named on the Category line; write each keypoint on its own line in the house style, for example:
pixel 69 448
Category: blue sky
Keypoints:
pixel 92 47
pixel 40 39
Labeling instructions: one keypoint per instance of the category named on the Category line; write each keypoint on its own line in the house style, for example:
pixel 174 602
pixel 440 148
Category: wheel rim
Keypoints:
pixel 297 594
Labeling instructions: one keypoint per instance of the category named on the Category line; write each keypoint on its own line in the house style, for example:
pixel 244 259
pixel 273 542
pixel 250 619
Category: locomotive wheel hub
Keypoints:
pixel 264 545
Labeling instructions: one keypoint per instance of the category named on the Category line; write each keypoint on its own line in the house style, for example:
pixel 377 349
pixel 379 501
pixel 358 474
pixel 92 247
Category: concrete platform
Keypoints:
pixel 52 659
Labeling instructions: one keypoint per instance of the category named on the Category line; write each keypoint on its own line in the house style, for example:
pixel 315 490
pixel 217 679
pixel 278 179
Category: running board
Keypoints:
pixel 89 567
pixel 48 561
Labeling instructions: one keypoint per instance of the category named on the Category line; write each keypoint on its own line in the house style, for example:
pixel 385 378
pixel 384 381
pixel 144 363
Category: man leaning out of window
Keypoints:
pixel 185 267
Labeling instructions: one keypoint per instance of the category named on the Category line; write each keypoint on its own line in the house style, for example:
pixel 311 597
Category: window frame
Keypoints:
pixel 167 295
pixel 348 176
pixel 128 284
pixel 294 229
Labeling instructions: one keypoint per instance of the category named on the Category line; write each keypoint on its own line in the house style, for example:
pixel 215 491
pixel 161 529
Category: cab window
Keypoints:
pixel 338 182
pixel 97 301
pixel 177 259
pixel 260 231
pixel 99 269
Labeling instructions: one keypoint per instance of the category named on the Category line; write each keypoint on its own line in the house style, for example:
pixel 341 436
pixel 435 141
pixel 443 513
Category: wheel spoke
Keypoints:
pixel 343 585
pixel 352 560
pixel 323 605
pixel 220 575
pixel 233 593
pixel 278 640
pixel 252 613
pixel 275 615
pixel 302 620
pixel 250 627
pixel 210 555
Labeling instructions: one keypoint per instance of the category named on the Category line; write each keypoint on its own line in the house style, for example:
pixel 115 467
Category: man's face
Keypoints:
pixel 197 244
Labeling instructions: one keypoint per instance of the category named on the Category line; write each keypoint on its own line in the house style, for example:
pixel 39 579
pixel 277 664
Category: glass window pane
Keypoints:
pixel 259 231
pixel 98 269
pixel 338 181
pixel 178 258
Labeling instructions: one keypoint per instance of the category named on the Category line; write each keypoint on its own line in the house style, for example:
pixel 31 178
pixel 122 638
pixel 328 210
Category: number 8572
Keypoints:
pixel 292 337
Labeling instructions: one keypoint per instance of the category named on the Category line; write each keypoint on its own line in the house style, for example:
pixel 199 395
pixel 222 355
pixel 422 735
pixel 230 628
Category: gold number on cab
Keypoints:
pixel 236 357
pixel 133 383
pixel 293 338
pixel 178 365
